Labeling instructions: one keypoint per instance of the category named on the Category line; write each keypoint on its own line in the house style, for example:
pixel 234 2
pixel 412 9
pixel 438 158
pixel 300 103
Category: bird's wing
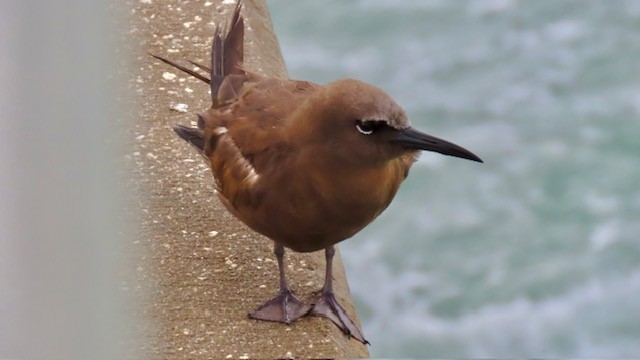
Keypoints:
pixel 244 138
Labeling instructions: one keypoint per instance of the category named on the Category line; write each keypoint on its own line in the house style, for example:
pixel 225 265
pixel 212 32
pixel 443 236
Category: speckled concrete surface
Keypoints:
pixel 201 271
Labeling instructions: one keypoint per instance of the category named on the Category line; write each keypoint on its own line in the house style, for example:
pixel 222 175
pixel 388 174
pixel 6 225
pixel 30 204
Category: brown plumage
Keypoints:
pixel 306 165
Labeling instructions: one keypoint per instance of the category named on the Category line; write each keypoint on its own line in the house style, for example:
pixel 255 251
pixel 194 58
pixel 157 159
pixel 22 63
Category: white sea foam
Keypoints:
pixel 407 5
pixel 486 7
pixel 633 8
pixel 565 30
pixel 522 327
pixel 605 234
pixel 601 204
pixel 533 253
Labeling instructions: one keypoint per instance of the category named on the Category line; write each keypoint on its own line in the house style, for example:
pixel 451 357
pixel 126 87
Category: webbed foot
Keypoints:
pixel 283 308
pixel 326 305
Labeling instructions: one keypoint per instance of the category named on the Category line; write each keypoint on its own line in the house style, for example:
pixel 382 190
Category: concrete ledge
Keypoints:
pixel 202 271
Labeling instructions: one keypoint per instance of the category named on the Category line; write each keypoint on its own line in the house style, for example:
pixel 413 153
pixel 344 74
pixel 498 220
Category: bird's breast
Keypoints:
pixel 312 209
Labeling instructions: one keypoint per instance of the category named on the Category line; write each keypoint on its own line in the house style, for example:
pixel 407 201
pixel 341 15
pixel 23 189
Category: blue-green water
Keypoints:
pixel 536 252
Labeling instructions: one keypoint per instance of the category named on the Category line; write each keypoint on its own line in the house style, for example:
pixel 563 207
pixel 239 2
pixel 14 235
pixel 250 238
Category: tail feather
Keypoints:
pixel 191 135
pixel 182 68
pixel 200 66
pixel 227 55
pixel 217 57
pixel 234 44
pixel 227 52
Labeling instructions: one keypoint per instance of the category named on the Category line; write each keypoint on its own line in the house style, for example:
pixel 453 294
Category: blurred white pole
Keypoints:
pixel 59 233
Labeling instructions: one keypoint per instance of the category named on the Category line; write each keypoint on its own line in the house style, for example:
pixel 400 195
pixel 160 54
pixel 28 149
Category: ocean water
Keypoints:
pixel 536 252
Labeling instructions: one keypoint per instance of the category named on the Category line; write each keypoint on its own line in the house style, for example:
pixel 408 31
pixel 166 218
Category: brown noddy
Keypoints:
pixel 304 164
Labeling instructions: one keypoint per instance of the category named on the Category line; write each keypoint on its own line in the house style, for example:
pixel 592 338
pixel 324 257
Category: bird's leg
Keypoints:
pixel 284 307
pixel 326 304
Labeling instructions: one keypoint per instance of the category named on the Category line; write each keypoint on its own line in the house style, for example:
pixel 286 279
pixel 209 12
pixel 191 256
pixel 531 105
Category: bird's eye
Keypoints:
pixel 365 127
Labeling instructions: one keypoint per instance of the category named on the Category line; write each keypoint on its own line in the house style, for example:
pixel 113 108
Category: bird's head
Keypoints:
pixel 360 123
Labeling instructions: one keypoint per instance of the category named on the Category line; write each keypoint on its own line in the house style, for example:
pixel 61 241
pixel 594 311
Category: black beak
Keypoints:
pixel 414 139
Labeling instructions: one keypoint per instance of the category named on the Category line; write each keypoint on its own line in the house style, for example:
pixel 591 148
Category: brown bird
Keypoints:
pixel 306 165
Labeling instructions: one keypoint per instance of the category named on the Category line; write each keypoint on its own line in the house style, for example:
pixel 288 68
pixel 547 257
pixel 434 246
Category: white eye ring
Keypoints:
pixel 368 131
